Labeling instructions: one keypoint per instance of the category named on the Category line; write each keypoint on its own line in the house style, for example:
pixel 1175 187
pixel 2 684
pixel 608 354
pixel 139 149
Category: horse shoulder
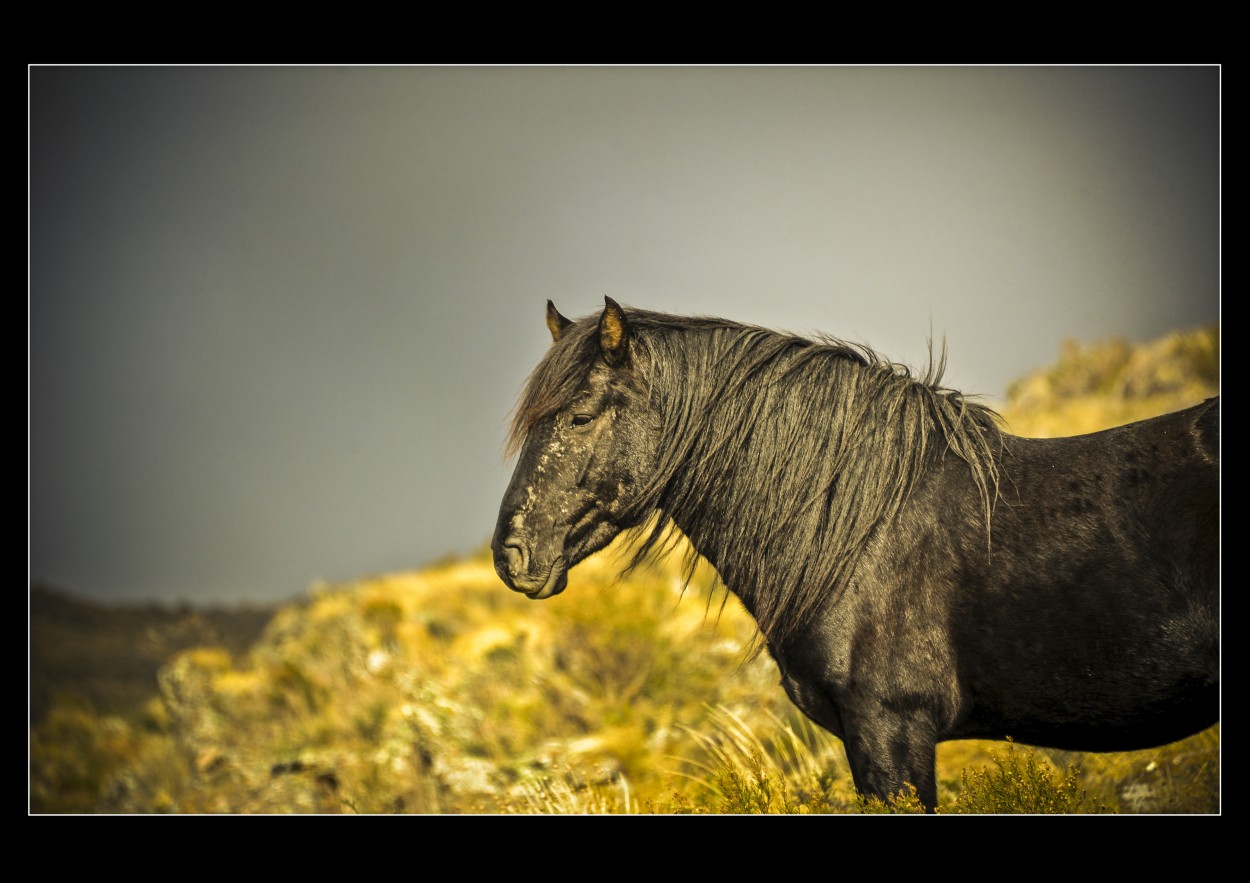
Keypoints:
pixel 882 644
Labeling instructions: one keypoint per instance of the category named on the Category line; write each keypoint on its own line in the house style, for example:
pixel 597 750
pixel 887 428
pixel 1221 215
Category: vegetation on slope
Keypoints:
pixel 1110 383
pixel 442 692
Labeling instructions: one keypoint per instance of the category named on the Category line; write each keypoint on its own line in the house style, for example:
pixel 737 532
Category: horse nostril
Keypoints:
pixel 514 558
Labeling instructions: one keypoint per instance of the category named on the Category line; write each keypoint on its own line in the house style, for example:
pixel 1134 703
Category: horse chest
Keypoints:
pixel 813 698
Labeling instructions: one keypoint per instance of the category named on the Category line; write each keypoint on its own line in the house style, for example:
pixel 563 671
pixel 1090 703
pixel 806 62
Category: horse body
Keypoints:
pixel 1090 625
pixel 917 574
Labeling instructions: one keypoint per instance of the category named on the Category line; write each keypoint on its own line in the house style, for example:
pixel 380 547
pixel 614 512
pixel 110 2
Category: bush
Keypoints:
pixel 1021 782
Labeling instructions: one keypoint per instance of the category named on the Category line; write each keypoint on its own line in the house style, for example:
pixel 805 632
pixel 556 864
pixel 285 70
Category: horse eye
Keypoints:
pixel 582 419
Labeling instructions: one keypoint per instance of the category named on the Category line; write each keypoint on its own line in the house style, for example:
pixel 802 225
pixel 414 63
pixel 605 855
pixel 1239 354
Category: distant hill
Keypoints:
pixel 107 656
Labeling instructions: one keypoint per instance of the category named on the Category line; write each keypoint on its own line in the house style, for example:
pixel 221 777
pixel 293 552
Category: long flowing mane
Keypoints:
pixel 780 455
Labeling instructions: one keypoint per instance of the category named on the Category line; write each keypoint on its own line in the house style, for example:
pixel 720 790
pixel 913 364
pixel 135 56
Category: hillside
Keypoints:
pixel 442 692
pixel 1108 383
pixel 106 657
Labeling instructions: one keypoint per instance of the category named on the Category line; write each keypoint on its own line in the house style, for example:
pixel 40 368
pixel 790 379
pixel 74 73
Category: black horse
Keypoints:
pixel 917 573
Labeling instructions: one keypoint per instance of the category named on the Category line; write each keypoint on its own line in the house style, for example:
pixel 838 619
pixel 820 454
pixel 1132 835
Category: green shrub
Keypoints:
pixel 1021 782
pixel 73 752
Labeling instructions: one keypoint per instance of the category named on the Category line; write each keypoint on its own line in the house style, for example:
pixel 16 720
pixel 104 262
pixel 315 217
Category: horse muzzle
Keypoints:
pixel 515 565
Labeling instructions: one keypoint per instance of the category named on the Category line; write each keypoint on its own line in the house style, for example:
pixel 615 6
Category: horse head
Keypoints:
pixel 588 435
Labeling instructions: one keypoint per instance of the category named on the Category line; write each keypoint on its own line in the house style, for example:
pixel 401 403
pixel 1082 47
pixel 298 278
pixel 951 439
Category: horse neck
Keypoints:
pixel 782 493
pixel 748 530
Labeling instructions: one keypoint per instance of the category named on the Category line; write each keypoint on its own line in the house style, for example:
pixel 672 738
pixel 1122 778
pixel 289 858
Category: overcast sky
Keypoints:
pixel 278 316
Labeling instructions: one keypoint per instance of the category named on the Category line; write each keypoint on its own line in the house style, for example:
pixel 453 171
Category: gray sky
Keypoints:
pixel 278 317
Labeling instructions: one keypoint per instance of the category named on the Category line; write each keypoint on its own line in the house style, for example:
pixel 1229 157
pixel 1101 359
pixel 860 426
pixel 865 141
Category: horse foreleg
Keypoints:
pixel 888 753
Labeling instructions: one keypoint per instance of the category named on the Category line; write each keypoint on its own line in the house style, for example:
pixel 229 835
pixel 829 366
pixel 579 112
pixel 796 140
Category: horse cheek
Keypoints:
pixel 635 463
pixel 602 478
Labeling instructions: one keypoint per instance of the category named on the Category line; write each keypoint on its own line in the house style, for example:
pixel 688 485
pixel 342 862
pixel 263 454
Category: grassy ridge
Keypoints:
pixel 442 692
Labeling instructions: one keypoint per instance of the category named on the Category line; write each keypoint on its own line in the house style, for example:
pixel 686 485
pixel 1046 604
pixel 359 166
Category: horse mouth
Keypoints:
pixel 554 584
pixel 542 586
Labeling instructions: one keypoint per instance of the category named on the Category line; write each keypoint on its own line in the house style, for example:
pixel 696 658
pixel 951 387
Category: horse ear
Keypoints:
pixel 555 322
pixel 613 334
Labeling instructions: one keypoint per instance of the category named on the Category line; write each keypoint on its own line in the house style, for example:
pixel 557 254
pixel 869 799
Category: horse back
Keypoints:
pixel 1207 428
pixel 1146 489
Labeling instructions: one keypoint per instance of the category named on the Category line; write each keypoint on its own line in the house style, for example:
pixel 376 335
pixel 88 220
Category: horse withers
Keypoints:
pixel 917 573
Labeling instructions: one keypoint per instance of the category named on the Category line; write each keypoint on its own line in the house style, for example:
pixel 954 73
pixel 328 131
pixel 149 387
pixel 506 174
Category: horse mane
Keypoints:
pixel 810 443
